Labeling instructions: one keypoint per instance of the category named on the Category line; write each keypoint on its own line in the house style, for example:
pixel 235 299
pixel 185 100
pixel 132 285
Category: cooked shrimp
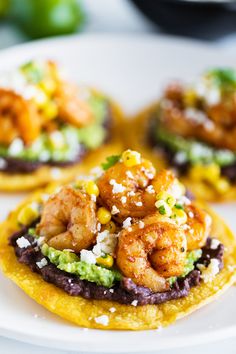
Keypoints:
pixel 133 189
pixel 217 123
pixel 69 220
pixel 199 226
pixel 18 118
pixel 71 108
pixel 150 254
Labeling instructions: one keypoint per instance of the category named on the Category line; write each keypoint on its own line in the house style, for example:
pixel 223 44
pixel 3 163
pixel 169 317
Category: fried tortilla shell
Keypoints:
pixel 83 312
pixel 46 174
pixel 136 138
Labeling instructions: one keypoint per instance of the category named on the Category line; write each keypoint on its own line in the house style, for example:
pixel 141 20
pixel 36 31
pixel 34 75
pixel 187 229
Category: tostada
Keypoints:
pixel 49 125
pixel 193 129
pixel 121 248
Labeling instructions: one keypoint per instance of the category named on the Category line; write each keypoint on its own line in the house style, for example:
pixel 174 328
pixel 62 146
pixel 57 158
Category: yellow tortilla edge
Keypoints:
pixel 46 174
pixel 136 139
pixel 83 312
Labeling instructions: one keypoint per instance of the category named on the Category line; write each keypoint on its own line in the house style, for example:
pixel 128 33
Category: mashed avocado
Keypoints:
pixel 191 258
pixel 70 263
pixel 63 144
pixel 195 152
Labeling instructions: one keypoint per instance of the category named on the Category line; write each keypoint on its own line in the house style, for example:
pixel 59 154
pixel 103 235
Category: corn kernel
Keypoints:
pixel 131 158
pixel 179 216
pixel 91 188
pixel 106 261
pixel 103 215
pixel 167 197
pixel 28 214
pixel 111 227
pixel 196 172
pixel 222 185
pixel 163 208
pixel 212 172
pixel 48 86
pixel 209 173
pixel 50 110
pixel 190 97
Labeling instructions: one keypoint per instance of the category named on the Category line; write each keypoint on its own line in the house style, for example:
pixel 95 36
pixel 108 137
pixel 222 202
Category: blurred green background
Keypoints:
pixel 43 18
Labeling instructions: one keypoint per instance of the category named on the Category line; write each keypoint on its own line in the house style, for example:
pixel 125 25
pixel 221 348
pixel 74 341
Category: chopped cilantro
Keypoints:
pixel 110 161
pixel 162 210
pixel 179 206
pixel 224 78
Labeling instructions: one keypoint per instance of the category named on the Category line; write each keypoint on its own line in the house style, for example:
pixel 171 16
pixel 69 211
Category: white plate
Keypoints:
pixel 132 70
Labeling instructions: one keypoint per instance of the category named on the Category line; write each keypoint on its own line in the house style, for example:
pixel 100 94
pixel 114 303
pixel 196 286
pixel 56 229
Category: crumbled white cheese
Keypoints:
pixel 150 189
pixel 106 243
pixel 149 175
pixel 42 263
pixel 131 194
pixel 141 224
pixel 191 231
pixel 111 291
pixel 129 174
pixel 176 190
pixel 114 210
pixel 22 242
pixel 209 273
pixel 16 147
pixel 214 243
pixel 180 157
pixel 112 309
pixel 93 198
pixel 40 240
pixel 195 115
pixel 87 256
pixel 99 226
pixel 3 163
pixel 123 200
pixel 190 214
pixel 117 187
pixel 209 125
pixel 134 303
pixel 57 139
pixel 213 96
pixel 183 200
pixel 139 204
pixel 103 320
pixel 97 172
pixel 185 227
pixel 127 223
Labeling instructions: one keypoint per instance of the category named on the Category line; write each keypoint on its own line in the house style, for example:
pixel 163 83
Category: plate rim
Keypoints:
pixel 218 334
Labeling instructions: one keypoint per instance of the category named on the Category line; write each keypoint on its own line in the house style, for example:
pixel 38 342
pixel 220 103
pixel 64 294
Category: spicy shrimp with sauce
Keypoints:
pixel 114 241
pixel 153 224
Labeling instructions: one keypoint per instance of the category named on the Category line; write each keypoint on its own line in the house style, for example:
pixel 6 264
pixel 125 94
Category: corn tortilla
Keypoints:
pixel 43 175
pixel 83 312
pixel 136 138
